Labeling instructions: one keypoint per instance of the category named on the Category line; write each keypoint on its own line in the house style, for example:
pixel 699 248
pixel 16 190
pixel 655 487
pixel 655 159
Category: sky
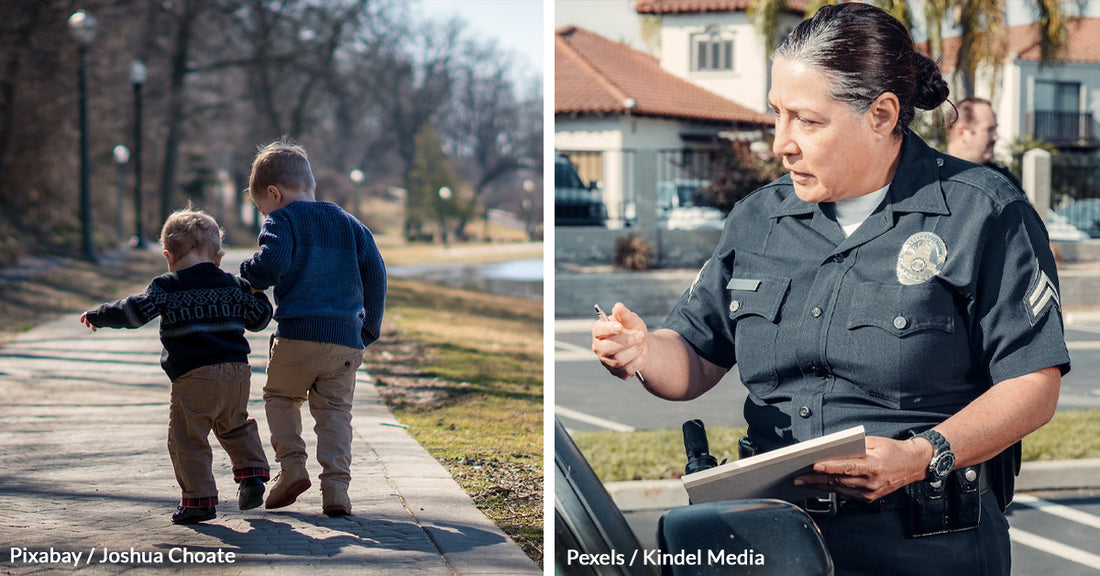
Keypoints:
pixel 517 26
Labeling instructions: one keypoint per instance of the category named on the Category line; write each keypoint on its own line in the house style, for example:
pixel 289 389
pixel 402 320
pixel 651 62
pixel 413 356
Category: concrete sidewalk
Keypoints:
pixel 84 469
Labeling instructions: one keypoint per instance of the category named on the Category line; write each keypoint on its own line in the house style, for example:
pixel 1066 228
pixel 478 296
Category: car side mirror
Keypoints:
pixel 760 537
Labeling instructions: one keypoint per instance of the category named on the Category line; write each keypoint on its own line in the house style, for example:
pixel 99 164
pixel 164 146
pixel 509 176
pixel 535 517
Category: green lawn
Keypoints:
pixel 659 454
pixel 463 370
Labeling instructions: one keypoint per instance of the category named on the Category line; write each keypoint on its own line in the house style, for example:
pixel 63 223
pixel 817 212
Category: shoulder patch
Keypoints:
pixel 1041 295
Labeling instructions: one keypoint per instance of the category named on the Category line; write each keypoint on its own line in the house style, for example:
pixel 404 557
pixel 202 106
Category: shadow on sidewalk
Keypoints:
pixel 277 535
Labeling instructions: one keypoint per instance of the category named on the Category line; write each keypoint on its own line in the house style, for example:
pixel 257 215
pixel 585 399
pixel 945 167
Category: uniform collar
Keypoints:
pixel 915 188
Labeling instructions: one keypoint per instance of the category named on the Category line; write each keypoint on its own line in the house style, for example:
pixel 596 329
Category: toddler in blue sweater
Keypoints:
pixel 330 291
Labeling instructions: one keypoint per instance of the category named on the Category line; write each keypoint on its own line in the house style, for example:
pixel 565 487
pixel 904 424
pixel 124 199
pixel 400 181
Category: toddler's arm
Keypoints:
pixel 372 271
pixel 130 312
pixel 266 267
pixel 258 308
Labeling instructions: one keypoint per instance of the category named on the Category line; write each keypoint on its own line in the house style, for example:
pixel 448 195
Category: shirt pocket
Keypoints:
pixel 903 346
pixel 755 301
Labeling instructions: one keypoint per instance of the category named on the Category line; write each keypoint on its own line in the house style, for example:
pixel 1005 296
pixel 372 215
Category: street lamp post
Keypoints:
pixel 444 196
pixel 137 78
pixel 82 25
pixel 528 188
pixel 122 158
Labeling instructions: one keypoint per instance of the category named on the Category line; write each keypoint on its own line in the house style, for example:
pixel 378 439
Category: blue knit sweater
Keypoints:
pixel 329 279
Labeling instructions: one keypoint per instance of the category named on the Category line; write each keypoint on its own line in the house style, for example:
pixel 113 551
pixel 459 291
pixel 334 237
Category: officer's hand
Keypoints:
pixel 84 320
pixel 621 342
pixel 888 465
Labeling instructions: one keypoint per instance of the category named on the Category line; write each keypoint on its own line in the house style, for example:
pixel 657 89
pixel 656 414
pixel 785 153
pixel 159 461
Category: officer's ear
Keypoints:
pixel 883 114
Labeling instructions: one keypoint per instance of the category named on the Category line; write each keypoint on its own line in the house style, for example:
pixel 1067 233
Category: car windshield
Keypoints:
pixel 565 175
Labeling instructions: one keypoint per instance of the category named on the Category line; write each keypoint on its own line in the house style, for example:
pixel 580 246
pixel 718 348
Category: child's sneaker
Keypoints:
pixel 335 501
pixel 288 485
pixel 250 493
pixel 193 515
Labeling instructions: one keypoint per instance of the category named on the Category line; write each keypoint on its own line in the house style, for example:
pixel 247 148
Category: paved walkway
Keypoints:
pixel 84 469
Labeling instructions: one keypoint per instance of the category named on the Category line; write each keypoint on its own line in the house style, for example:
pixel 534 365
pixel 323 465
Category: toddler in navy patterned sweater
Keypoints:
pixel 204 312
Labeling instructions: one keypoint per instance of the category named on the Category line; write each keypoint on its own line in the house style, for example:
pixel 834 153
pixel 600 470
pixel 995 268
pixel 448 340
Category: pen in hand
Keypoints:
pixel 603 316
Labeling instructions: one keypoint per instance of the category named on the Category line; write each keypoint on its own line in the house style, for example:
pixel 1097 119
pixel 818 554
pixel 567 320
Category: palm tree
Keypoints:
pixel 765 16
pixel 984 32
pixel 898 9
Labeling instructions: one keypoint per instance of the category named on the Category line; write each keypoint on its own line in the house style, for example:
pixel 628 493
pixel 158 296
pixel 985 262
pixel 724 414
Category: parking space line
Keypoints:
pixel 1058 510
pixel 593 420
pixel 1054 547
pixel 569 352
pixel 1083 345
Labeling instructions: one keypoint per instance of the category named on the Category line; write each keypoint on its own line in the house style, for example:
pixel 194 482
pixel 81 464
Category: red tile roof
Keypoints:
pixel 682 6
pixel 593 74
pixel 1084 41
pixel 1023 40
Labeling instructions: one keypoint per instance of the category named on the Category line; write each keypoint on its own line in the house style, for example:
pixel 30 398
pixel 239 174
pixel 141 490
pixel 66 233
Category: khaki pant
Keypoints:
pixel 214 398
pixel 323 374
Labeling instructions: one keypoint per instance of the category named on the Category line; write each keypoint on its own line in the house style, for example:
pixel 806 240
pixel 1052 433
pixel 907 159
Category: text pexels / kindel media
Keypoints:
pixel 658 558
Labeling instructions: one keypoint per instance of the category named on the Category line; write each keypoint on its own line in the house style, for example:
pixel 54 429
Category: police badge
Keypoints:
pixel 921 257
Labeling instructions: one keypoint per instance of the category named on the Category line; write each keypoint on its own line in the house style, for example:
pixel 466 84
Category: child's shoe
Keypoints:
pixel 193 515
pixel 250 493
pixel 288 485
pixel 335 501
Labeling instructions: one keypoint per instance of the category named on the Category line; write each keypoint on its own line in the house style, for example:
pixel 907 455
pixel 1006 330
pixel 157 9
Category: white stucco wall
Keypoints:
pixel 748 82
pixel 1087 74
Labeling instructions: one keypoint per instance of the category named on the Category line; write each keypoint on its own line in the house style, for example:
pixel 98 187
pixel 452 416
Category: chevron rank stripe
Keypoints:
pixel 1041 295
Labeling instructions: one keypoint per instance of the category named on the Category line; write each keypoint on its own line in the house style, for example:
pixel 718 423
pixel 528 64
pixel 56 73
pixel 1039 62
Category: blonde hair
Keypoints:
pixel 280 163
pixel 188 230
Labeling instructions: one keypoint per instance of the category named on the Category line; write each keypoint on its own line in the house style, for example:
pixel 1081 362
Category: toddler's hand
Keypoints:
pixel 84 321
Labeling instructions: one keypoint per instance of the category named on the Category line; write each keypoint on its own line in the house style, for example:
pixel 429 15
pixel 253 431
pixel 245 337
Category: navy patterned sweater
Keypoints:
pixel 329 278
pixel 203 312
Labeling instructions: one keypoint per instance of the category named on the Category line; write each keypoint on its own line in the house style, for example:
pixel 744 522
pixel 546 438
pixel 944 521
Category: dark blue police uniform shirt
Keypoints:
pixel 947 288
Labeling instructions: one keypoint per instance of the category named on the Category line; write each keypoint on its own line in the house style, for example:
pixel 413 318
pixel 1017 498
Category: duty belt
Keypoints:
pixel 834 502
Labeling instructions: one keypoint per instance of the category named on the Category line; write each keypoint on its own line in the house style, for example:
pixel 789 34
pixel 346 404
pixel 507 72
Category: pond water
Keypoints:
pixel 513 278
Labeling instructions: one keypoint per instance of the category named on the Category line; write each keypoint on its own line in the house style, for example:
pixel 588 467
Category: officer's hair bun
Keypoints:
pixel 932 89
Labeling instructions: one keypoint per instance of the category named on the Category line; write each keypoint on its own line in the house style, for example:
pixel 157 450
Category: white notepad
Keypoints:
pixel 772 474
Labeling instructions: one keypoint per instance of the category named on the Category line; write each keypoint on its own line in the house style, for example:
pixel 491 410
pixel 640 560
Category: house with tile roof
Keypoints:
pixel 1055 102
pixel 611 100
pixel 714 44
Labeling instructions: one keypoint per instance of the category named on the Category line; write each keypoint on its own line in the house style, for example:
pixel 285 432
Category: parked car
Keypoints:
pixel 592 536
pixel 576 203
pixel 682 206
pixel 1060 230
pixel 1083 214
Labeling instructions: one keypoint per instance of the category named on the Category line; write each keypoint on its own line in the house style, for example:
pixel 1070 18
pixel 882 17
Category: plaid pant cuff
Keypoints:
pixel 199 502
pixel 261 473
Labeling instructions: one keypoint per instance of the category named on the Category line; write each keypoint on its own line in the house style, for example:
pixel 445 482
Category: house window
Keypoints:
pixel 1057 96
pixel 711 52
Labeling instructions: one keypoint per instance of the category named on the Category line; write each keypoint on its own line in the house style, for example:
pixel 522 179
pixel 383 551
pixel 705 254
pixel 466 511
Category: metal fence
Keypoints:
pixel 1075 190
pixel 682 176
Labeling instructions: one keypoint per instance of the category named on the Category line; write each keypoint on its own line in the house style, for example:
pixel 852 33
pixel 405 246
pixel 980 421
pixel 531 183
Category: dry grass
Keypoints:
pixel 464 371
pixel 46 287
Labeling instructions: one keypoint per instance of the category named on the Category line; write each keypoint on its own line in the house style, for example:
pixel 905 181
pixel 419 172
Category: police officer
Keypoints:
pixel 973 135
pixel 881 283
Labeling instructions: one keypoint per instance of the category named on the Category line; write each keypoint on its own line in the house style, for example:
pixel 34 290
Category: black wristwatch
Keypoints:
pixel 943 459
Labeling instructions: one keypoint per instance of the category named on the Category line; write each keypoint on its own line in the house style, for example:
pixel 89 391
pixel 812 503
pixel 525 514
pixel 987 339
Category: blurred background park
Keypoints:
pixel 423 119
pixel 115 113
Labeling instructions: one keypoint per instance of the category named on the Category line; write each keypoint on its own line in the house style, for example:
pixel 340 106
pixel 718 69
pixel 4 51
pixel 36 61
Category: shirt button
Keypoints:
pixel 838 258
pixel 939 161
pixel 816 312
pixel 735 306
pixel 900 322
pixel 804 412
